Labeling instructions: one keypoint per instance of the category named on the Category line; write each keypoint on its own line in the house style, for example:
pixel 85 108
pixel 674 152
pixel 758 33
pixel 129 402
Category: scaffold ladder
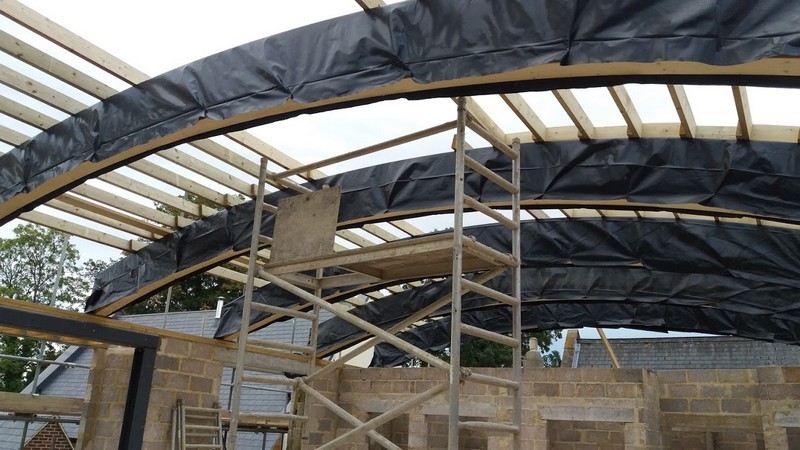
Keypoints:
pixel 458 375
pixel 196 428
pixel 240 374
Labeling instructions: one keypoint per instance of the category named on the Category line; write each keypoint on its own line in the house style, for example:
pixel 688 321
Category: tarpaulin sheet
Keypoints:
pixel 756 177
pixel 754 254
pixel 435 336
pixel 577 284
pixel 427 42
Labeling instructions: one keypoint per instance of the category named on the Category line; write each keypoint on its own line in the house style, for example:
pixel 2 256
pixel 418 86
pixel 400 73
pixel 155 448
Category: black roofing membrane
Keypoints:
pixel 755 177
pixel 728 266
pixel 427 42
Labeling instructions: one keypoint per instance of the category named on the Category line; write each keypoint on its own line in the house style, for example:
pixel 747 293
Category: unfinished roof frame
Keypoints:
pixel 128 220
pixel 93 204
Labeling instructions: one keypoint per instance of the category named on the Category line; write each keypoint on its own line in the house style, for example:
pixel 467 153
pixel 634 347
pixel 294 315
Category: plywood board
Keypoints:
pixel 305 225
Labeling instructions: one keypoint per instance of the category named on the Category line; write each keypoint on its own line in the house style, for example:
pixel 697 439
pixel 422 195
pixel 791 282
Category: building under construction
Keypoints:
pixel 598 222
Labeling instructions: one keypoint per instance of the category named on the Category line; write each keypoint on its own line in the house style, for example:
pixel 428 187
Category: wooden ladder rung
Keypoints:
pixel 275 416
pixel 213 434
pixel 487 211
pixel 487 253
pixel 490 336
pixel 491 138
pixel 494 381
pixel 264 240
pixel 201 427
pixel 269 380
pixel 489 426
pixel 277 310
pixel 281 346
pixel 491 175
pixel 201 409
pixel 489 292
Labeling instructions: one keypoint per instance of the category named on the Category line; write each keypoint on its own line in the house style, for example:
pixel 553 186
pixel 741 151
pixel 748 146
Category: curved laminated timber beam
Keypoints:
pixel 725 180
pixel 564 64
pixel 135 218
pixel 287 94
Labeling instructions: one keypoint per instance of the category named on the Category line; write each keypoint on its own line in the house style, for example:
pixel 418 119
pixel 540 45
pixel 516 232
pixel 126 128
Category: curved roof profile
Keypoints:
pixel 741 186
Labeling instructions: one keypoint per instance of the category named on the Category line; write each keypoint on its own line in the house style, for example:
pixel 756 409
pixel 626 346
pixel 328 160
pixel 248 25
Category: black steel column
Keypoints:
pixel 135 416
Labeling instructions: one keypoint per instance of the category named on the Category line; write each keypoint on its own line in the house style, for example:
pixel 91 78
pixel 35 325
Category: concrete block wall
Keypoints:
pixel 571 409
pixel 549 395
pixel 718 407
pixel 582 435
pixel 184 369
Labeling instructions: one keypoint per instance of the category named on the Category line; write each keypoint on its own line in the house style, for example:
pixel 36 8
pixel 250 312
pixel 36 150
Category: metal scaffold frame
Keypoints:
pixel 455 253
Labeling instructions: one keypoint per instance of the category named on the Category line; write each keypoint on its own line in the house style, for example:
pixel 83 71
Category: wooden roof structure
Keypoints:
pixel 224 170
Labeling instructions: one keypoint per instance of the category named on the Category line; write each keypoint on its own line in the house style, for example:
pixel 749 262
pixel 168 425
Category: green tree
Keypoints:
pixel 29 263
pixel 190 294
pixel 483 353
pixel 28 268
pixel 195 292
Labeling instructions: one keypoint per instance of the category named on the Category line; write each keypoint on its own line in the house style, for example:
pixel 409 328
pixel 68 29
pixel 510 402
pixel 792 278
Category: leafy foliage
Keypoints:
pixel 29 263
pixel 28 268
pixel 483 353
pixel 192 293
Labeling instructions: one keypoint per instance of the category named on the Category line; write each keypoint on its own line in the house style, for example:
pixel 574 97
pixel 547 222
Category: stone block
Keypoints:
pixel 569 389
pixel 541 375
pixel 628 375
pixel 780 391
pixel 586 414
pixel 701 376
pixel 546 389
pixel 744 391
pixel 734 375
pixel 713 390
pixel 193 366
pixel 623 390
pixel 770 375
pixel 672 376
pixel 737 406
pixel 172 346
pixel 164 362
pixel 591 390
pixel 705 405
pixel 473 388
pixel 682 390
pixel 674 404
pixel 597 375
pixel 791 374
pixel 201 384
pixel 567 375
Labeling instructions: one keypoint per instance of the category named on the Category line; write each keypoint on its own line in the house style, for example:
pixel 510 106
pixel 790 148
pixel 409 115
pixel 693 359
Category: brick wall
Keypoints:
pixel 49 437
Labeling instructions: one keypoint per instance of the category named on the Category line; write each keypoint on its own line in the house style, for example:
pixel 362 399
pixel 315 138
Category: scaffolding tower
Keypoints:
pixel 303 243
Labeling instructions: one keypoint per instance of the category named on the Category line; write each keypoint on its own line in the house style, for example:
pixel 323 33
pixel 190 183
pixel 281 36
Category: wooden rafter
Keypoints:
pixel 744 127
pixel 576 113
pixel 527 115
pixel 684 110
pixel 628 110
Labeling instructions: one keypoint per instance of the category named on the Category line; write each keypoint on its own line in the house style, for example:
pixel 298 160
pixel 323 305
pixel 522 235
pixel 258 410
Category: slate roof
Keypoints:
pixel 71 382
pixel 686 353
